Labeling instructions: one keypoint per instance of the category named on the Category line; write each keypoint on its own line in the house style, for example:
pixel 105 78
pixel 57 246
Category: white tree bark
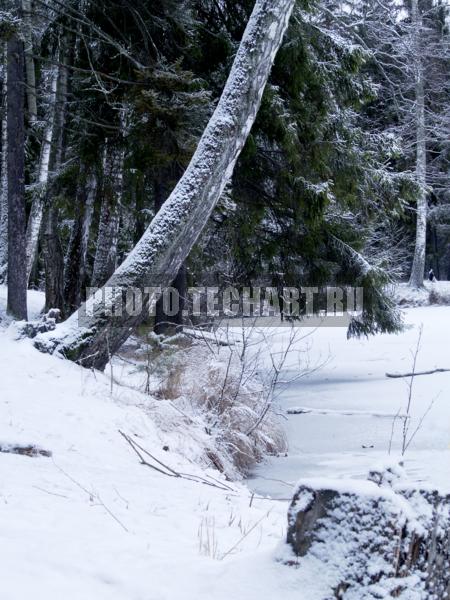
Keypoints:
pixel 169 238
pixel 37 206
pixel 87 217
pixel 51 245
pixel 418 267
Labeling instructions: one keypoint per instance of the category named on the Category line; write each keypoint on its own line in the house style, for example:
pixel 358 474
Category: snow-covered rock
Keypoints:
pixel 380 538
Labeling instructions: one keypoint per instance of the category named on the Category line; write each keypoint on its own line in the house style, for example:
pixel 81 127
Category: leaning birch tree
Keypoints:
pixel 169 238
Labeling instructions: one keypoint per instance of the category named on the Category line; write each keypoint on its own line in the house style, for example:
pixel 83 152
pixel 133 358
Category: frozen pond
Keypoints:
pixel 350 405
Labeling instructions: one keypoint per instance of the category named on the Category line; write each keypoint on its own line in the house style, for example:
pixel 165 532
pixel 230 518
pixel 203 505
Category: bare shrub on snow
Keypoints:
pixel 439 296
pixel 433 293
pixel 224 384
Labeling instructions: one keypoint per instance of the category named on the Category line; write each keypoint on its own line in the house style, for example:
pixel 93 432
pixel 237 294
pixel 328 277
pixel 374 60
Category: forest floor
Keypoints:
pixel 91 522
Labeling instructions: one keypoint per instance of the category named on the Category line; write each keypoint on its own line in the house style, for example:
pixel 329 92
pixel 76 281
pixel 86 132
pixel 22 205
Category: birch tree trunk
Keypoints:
pixel 75 264
pixel 418 267
pixel 108 229
pixel 4 183
pixel 37 206
pixel 51 244
pixel 156 259
pixel 17 281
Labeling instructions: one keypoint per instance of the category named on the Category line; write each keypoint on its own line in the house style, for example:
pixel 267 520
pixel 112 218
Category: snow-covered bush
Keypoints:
pixel 439 295
pixel 432 293
pixel 223 385
pixel 234 400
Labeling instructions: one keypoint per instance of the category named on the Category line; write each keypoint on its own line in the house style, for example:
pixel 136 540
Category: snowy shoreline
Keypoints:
pixel 92 522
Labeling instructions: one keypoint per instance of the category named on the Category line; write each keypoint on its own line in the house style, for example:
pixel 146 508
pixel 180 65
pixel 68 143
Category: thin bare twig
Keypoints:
pixel 246 534
pixel 92 496
pixel 166 470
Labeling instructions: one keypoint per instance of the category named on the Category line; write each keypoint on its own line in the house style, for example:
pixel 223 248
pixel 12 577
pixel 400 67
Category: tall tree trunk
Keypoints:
pixel 437 258
pixel 108 229
pixel 37 206
pixel 418 267
pixel 17 275
pixel 164 321
pixel 54 264
pixel 75 266
pixel 29 62
pixel 51 244
pixel 4 183
pixel 138 190
pixel 180 284
pixel 156 259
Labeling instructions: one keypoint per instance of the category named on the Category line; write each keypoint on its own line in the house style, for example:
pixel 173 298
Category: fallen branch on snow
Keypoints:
pixel 415 374
pixel 31 450
pixel 303 410
pixel 166 470
pixel 200 334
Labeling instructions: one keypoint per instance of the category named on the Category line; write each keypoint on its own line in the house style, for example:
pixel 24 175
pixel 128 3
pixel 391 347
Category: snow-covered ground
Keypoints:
pixel 433 292
pixel 91 522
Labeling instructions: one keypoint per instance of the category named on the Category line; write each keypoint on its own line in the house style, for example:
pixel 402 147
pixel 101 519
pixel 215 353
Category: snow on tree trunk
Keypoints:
pixel 17 282
pixel 75 267
pixel 108 229
pixel 169 238
pixel 51 244
pixel 4 190
pixel 418 267
pixel 29 62
pixel 37 206
pixel 61 103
